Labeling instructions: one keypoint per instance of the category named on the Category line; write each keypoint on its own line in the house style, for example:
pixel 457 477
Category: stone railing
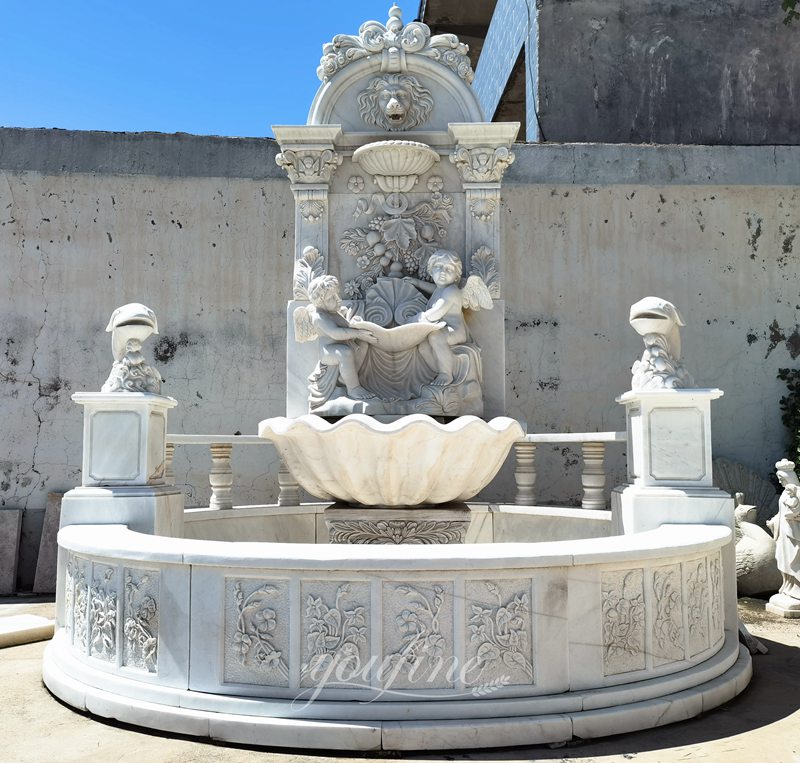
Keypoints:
pixel 593 475
pixel 220 475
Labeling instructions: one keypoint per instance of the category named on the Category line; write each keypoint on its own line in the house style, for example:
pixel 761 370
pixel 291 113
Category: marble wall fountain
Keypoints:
pixel 403 615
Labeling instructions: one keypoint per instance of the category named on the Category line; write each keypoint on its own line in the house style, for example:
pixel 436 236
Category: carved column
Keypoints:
pixel 289 489
pixel 481 155
pixel 309 159
pixel 593 477
pixel 221 476
pixel 525 472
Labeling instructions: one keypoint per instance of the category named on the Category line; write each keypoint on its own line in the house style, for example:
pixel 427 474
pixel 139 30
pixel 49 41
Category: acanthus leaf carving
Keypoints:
pixel 312 210
pixel 309 165
pixel 396 532
pixel 311 265
pixel 484 264
pixel 482 164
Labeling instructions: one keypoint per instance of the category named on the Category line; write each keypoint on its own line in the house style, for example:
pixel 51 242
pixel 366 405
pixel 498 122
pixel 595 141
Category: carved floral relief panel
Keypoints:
pixel 103 609
pixel 697 604
pixel 336 641
pixel 140 619
pixel 256 640
pixel 76 605
pixel 499 648
pixel 715 579
pixel 668 638
pixel 417 635
pixel 623 616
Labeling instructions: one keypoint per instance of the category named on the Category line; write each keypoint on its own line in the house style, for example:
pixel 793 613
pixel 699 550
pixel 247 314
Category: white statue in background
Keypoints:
pixel 338 332
pixel 786 529
pixel 130 325
pixel 447 303
pixel 658 322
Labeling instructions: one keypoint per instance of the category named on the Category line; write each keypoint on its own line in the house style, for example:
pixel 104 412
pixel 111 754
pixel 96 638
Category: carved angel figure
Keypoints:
pixel 446 304
pixel 130 325
pixel 339 334
pixel 658 322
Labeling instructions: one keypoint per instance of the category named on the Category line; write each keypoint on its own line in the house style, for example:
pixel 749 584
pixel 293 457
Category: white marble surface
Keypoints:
pixel 360 460
pixel 124 436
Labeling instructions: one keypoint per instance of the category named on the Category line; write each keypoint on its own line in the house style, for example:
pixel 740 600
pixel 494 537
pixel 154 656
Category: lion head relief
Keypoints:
pixel 395 102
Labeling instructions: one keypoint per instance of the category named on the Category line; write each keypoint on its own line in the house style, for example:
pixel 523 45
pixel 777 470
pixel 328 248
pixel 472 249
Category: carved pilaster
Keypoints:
pixel 481 155
pixel 310 160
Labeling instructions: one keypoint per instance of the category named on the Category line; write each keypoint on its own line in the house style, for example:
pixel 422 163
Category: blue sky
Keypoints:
pixel 202 67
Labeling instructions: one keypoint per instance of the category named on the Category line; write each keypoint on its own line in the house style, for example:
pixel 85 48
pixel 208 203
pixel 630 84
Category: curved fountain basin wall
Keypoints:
pixel 585 637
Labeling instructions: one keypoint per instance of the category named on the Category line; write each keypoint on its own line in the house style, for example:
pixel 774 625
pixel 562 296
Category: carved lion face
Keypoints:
pixel 395 102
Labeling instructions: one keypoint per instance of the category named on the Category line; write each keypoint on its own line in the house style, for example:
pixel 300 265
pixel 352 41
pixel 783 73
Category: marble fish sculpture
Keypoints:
pixel 130 325
pixel 658 322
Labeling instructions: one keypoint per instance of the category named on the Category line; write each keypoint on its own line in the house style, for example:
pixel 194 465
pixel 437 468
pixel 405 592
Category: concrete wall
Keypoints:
pixel 201 230
pixel 647 71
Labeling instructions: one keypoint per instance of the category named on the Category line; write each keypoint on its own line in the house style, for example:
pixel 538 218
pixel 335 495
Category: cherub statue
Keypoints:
pixel 658 322
pixel 446 305
pixel 338 332
pixel 786 529
pixel 130 325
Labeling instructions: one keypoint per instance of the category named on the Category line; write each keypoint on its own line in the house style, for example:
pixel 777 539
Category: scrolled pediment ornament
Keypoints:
pixel 393 41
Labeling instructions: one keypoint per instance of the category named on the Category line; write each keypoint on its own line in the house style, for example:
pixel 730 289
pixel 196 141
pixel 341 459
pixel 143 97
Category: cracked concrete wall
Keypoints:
pixel 201 230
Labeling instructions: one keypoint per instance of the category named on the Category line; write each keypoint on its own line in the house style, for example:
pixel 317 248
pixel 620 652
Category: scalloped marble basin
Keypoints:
pixel 413 461
pixel 396 164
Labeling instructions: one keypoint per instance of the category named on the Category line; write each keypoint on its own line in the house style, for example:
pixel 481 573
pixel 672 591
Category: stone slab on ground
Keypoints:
pixel 10 529
pixel 24 629
pixel 47 561
pixel 29 541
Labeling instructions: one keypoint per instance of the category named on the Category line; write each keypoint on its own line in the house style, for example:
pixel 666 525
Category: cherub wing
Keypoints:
pixel 476 294
pixel 304 330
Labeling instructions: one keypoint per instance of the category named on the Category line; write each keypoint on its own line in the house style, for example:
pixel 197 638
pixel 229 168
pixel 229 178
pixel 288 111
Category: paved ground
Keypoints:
pixel 760 726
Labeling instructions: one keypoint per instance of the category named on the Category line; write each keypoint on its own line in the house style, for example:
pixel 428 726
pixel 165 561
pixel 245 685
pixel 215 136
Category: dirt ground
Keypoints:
pixel 762 725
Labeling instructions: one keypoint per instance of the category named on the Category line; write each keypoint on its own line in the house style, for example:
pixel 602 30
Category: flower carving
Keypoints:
pixel 355 184
pixel 502 632
pixel 253 640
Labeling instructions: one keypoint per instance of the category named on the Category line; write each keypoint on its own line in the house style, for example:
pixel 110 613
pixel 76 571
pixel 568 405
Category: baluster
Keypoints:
pixel 221 476
pixel 169 453
pixel 525 472
pixel 593 477
pixel 289 489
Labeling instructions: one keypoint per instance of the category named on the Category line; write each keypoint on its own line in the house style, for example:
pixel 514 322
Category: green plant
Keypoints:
pixel 790 407
pixel 790 7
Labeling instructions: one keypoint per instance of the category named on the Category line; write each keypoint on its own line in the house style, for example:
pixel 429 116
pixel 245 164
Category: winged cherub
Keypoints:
pixel 327 319
pixel 446 304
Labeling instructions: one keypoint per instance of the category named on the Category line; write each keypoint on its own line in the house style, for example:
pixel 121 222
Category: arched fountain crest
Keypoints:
pixel 502 624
